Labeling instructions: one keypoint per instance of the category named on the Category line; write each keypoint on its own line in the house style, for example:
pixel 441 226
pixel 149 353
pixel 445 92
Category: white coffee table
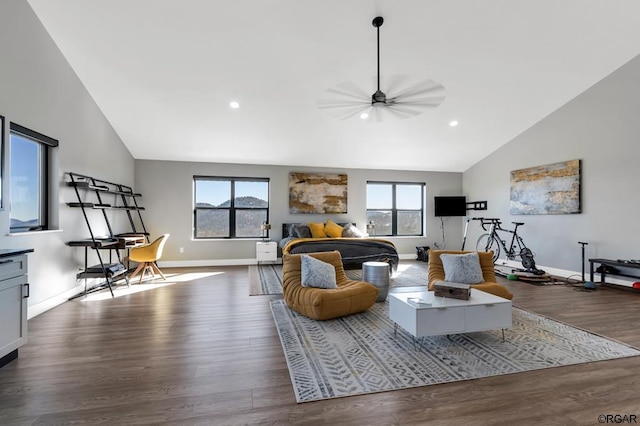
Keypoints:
pixel 443 315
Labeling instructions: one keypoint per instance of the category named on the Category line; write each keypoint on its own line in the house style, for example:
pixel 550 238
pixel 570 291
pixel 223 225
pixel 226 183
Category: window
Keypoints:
pixel 230 207
pixel 29 179
pixel 395 208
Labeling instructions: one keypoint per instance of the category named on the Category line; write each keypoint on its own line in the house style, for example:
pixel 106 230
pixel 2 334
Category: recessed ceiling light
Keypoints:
pixel 453 123
pixel 364 115
pixel 234 105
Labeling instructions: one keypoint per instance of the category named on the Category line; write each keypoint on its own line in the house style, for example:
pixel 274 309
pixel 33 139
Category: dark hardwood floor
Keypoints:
pixel 204 352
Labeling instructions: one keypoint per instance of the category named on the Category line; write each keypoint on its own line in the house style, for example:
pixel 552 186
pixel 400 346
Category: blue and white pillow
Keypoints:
pixel 462 268
pixel 316 273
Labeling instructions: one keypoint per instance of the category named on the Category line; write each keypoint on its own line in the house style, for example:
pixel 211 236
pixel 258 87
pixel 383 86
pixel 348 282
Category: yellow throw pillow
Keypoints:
pixel 332 229
pixel 317 230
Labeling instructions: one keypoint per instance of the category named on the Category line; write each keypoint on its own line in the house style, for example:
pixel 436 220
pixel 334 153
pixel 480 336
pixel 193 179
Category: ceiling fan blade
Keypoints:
pixel 355 111
pixel 394 82
pixel 420 88
pixel 403 109
pixel 433 101
pixel 324 104
pixel 391 111
pixel 350 87
pixel 349 90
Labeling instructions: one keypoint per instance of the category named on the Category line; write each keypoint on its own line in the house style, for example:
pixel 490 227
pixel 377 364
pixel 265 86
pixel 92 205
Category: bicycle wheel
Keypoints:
pixel 487 242
pixel 527 259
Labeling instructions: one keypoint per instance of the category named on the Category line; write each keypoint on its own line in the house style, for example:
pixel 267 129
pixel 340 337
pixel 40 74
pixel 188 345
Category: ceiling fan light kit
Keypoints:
pixel 403 104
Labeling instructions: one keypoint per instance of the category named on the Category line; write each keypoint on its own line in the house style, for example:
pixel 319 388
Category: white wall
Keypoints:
pixel 167 189
pixel 601 128
pixel 39 90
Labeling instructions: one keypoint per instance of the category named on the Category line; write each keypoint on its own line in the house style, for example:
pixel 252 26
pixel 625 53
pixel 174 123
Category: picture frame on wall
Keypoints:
pixel 548 189
pixel 324 193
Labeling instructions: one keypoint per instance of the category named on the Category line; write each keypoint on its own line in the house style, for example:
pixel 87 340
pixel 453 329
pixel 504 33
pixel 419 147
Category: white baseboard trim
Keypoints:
pixel 411 256
pixel 207 262
pixel 564 273
pixel 38 308
pixel 232 262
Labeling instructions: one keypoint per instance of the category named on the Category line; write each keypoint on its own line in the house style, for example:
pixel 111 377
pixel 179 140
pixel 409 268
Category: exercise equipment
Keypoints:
pixel 587 284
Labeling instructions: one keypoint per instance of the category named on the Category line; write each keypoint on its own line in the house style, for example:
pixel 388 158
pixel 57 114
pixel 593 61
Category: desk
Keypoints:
pixel 615 263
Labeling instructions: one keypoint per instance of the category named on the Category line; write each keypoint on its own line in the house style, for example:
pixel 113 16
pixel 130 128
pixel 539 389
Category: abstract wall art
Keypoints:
pixel 317 193
pixel 549 189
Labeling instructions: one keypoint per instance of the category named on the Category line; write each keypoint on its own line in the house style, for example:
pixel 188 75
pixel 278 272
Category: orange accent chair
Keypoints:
pixel 351 297
pixel 490 285
pixel 147 255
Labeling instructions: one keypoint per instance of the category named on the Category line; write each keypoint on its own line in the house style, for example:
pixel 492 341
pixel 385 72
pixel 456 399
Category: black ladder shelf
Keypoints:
pixel 125 199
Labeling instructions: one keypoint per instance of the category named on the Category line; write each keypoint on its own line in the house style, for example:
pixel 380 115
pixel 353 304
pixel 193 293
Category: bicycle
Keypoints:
pixel 491 241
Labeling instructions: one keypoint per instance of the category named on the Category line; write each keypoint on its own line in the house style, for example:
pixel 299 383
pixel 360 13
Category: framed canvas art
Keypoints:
pixel 317 193
pixel 549 189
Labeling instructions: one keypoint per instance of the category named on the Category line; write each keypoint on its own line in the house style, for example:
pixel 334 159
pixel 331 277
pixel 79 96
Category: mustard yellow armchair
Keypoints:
pixel 351 297
pixel 147 255
pixel 490 284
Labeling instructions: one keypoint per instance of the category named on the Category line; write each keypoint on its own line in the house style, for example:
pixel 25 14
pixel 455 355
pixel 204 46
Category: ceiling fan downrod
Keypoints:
pixel 379 97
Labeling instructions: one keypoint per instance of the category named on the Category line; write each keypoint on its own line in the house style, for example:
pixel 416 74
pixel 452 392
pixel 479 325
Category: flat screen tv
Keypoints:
pixel 450 206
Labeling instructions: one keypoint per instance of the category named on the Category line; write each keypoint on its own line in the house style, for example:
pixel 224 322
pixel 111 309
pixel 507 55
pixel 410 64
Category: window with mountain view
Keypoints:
pixel 396 209
pixel 29 179
pixel 230 207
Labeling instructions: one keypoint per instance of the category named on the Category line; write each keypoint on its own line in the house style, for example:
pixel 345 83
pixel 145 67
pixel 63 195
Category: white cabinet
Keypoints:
pixel 14 291
pixel 266 251
pixel 442 315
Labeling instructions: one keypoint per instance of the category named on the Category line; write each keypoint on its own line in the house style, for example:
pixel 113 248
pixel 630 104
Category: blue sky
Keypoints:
pixel 216 192
pixel 24 178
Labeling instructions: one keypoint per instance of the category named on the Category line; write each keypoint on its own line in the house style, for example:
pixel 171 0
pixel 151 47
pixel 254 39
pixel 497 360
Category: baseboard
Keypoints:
pixel 564 273
pixel 207 262
pixel 233 262
pixel 409 256
pixel 38 308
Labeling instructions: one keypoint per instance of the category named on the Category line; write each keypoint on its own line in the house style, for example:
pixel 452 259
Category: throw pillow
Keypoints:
pixel 351 231
pixel 462 268
pixel 302 231
pixel 317 230
pixel 291 229
pixel 316 273
pixel 332 229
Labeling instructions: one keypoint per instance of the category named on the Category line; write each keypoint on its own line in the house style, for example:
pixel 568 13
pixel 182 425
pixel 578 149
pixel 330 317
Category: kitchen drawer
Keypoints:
pixel 13 267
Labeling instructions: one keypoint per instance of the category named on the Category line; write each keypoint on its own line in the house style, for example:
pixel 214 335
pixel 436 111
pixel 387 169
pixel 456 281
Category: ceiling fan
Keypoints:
pixel 403 104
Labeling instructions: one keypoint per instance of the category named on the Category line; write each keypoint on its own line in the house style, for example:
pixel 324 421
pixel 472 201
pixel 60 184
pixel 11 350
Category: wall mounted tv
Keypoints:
pixel 450 206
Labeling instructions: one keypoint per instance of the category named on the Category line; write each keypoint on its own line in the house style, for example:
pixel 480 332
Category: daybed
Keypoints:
pixel 350 297
pixel 355 248
pixel 437 272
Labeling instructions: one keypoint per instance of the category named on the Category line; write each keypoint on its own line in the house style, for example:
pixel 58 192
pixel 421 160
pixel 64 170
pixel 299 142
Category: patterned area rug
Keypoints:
pixel 359 354
pixel 267 278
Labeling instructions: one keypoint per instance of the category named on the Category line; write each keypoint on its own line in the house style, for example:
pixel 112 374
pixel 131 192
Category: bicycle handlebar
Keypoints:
pixel 484 221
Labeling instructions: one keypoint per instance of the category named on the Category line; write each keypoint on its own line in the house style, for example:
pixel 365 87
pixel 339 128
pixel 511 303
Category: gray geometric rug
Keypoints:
pixel 359 354
pixel 267 278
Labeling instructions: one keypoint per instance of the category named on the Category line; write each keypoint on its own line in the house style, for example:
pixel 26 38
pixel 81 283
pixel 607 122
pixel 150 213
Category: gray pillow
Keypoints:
pixel 351 231
pixel 462 268
pixel 301 231
pixel 316 273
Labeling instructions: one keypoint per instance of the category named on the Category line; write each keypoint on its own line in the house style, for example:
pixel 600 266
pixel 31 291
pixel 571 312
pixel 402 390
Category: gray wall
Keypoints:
pixel 167 189
pixel 39 90
pixel 601 128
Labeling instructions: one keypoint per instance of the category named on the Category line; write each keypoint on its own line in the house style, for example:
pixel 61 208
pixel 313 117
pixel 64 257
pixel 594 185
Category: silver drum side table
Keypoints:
pixel 377 273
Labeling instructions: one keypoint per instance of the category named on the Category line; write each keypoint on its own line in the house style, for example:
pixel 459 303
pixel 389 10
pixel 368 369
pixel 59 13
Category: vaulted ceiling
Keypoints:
pixel 165 71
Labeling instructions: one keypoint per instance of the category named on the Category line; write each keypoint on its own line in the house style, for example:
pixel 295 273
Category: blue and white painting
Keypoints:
pixel 549 189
